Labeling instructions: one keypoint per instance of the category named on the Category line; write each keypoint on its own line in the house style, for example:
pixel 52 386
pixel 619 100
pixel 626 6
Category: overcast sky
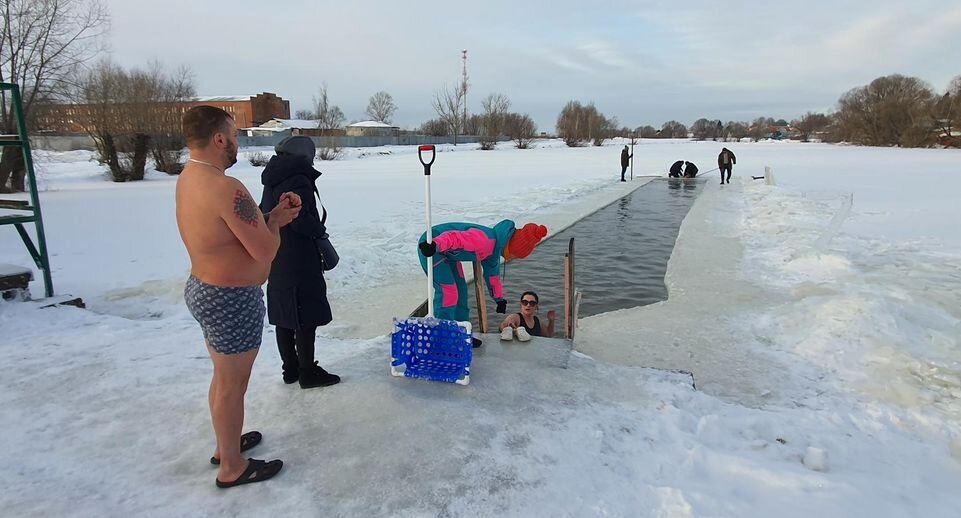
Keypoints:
pixel 643 62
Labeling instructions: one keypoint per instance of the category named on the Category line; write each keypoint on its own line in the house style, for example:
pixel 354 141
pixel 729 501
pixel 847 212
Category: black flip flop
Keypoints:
pixel 257 471
pixel 247 441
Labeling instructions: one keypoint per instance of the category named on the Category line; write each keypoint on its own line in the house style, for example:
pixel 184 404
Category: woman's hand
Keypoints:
pixel 511 321
pixel 551 315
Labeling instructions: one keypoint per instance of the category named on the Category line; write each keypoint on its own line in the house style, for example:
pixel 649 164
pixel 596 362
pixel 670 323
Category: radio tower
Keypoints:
pixel 464 86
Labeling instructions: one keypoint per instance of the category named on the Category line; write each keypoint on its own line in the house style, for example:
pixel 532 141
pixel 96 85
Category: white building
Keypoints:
pixel 371 129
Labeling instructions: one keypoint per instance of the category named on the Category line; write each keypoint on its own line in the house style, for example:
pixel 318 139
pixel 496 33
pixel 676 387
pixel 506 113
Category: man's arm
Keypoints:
pixel 260 238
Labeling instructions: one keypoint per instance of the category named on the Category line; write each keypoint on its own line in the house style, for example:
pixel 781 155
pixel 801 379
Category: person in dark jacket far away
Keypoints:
pixel 675 171
pixel 625 161
pixel 296 291
pixel 725 162
pixel 690 170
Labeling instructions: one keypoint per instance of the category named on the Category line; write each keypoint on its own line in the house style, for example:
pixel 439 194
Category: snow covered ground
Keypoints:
pixel 821 319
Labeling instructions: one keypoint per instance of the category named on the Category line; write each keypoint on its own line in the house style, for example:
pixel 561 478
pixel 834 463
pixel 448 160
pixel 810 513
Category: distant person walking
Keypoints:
pixel 725 162
pixel 690 170
pixel 675 171
pixel 625 161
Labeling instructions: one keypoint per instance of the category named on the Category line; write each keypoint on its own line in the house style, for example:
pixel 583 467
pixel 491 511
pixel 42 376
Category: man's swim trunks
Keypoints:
pixel 232 318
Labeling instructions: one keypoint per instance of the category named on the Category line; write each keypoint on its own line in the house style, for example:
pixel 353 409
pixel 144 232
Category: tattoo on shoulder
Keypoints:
pixel 245 208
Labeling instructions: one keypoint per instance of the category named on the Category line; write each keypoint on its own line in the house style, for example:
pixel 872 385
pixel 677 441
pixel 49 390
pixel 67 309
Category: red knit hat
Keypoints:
pixel 524 240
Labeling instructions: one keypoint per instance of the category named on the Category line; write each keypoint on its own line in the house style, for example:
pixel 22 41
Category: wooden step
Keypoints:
pixel 11 219
pixel 15 204
pixel 10 140
pixel 14 277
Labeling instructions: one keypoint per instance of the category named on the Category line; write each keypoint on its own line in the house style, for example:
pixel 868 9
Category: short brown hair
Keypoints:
pixel 200 123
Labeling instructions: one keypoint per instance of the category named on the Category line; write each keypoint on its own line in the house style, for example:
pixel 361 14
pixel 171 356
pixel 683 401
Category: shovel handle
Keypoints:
pixel 420 155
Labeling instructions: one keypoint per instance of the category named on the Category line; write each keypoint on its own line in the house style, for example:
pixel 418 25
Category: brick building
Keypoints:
pixel 247 111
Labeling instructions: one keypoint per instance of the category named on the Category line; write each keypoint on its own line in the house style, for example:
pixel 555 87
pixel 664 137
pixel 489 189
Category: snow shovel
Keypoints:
pixel 427 347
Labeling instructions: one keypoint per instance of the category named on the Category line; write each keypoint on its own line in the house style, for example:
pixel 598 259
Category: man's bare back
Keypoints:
pixel 206 199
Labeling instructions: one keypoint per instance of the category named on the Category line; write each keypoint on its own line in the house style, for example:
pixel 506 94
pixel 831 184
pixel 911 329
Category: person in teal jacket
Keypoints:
pixel 453 243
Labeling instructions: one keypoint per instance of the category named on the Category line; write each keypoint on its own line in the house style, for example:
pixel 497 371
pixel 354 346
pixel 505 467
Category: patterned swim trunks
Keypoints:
pixel 232 318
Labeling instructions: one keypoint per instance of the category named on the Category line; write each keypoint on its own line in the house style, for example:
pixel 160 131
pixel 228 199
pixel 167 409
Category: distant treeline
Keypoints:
pixel 893 110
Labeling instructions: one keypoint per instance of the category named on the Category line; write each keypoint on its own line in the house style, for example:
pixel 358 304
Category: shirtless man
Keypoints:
pixel 231 245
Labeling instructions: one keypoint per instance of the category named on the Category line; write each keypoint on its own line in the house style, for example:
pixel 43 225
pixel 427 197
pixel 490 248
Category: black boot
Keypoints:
pixel 316 376
pixel 476 342
pixel 288 354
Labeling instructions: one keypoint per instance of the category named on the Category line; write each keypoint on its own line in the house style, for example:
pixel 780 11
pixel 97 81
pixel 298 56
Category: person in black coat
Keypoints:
pixel 690 170
pixel 296 291
pixel 625 161
pixel 675 171
pixel 725 162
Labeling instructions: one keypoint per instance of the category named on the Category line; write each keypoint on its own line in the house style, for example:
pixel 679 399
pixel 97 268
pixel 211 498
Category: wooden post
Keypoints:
pixel 481 300
pixel 568 303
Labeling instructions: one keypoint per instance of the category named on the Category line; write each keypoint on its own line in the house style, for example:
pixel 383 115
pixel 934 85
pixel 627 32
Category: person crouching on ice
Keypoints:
pixel 453 243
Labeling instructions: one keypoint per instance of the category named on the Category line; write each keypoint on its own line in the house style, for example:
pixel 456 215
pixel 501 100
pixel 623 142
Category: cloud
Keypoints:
pixel 604 53
pixel 666 59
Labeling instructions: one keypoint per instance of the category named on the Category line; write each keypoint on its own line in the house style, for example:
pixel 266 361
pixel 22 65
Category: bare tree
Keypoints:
pixel 521 129
pixel 329 117
pixel 97 111
pixel 133 115
pixel 448 104
pixel 760 128
pixel 578 124
pixel 735 130
pixel 42 44
pixel 381 107
pixel 495 107
pixel 304 114
pixel 673 129
pixel 946 112
pixel 473 125
pixel 646 131
pixel 893 110
pixel 572 123
pixel 954 94
pixel 434 128
pixel 703 129
pixel 163 125
pixel 811 123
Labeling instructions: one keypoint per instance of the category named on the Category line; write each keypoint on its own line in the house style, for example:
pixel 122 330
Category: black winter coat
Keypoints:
pixel 730 161
pixel 296 290
pixel 676 167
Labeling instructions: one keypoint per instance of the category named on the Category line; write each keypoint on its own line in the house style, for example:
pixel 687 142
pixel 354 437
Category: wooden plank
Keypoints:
pixel 481 299
pixel 18 280
pixel 63 300
pixel 15 204
pixel 576 311
pixel 573 288
pixel 567 296
pixel 13 219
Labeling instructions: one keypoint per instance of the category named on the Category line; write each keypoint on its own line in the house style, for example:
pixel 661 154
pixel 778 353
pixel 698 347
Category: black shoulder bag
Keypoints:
pixel 328 255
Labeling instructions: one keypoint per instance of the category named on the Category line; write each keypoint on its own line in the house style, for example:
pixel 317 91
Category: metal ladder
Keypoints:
pixel 32 208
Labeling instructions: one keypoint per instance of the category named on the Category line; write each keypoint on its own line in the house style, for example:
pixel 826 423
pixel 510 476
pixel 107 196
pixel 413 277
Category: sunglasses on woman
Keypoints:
pixel 528 302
